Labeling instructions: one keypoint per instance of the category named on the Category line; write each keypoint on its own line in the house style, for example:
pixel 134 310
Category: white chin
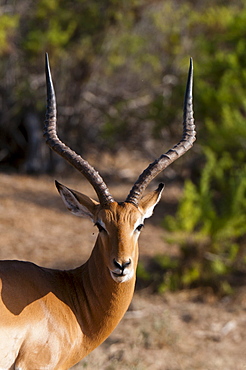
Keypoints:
pixel 121 278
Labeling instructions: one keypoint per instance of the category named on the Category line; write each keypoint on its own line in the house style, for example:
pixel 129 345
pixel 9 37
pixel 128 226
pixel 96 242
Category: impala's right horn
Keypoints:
pixel 188 138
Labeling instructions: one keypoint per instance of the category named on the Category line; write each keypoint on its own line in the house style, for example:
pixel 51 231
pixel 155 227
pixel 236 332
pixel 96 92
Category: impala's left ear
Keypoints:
pixel 149 201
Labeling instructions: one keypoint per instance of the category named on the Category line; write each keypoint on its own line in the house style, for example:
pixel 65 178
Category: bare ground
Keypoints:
pixel 186 330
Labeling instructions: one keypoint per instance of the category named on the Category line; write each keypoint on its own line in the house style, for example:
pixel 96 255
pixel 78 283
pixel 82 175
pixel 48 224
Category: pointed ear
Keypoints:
pixel 149 201
pixel 78 204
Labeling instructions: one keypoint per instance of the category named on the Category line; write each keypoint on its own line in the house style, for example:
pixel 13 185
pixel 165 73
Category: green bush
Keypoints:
pixel 8 25
pixel 210 223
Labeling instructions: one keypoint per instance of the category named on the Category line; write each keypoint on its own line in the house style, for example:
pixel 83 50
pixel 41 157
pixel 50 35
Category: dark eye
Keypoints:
pixel 99 226
pixel 139 228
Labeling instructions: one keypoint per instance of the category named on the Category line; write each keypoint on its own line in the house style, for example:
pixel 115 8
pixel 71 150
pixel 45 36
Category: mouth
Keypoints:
pixel 116 274
pixel 121 277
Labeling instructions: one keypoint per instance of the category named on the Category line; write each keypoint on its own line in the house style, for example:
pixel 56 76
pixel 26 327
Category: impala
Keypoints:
pixel 51 319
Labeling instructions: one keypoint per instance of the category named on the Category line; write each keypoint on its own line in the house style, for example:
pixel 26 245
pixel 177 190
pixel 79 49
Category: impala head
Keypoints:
pixel 119 224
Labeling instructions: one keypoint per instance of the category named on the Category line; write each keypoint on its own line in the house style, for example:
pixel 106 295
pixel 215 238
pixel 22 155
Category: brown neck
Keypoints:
pixel 100 302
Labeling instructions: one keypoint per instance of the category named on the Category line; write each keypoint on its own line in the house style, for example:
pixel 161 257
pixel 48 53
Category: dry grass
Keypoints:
pixel 182 331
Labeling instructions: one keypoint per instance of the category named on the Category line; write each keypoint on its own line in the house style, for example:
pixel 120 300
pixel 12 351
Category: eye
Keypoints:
pixel 99 226
pixel 139 228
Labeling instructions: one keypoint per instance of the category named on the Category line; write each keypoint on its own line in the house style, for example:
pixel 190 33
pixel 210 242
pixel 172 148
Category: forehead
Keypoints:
pixel 120 212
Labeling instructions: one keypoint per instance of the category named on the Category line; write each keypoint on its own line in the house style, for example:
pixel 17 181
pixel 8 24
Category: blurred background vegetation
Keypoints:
pixel 120 69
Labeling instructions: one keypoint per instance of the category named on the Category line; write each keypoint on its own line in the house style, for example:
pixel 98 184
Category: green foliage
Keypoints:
pixel 56 25
pixel 212 220
pixel 73 34
pixel 212 211
pixel 214 207
pixel 8 25
pixel 142 273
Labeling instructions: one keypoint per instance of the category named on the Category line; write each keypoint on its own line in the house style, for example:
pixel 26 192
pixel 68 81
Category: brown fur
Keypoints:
pixel 51 319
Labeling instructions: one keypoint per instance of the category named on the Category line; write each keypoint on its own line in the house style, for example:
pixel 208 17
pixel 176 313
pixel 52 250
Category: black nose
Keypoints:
pixel 122 265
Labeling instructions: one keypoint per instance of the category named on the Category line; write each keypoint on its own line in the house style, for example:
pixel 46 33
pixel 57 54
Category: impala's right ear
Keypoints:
pixel 78 204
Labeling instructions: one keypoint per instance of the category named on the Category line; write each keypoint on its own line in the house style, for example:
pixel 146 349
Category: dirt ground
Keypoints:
pixel 181 331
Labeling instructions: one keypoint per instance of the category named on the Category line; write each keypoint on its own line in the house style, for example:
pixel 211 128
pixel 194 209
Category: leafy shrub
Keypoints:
pixel 210 223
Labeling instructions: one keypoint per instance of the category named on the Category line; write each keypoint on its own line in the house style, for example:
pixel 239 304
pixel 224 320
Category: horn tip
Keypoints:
pixel 191 67
pixel 161 186
pixel 189 86
pixel 46 59
pixel 57 184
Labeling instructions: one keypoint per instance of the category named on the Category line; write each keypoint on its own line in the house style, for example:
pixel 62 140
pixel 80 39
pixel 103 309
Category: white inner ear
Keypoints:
pixel 149 211
pixel 73 205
